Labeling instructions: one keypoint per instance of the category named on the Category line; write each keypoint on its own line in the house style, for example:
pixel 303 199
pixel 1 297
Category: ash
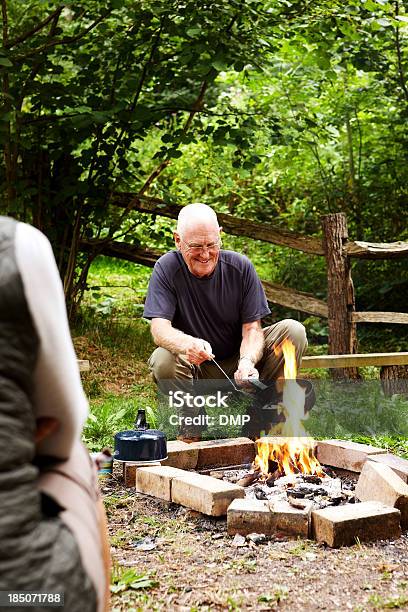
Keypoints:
pixel 300 490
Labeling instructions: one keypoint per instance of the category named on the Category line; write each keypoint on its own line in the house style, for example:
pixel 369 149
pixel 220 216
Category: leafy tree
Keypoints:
pixel 277 111
pixel 85 86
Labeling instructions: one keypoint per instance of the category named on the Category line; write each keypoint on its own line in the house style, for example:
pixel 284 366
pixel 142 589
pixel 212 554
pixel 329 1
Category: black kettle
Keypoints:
pixel 140 444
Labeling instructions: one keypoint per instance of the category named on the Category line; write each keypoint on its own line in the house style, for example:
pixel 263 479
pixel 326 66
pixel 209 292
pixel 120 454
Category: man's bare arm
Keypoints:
pixel 165 335
pixel 252 344
pixel 251 350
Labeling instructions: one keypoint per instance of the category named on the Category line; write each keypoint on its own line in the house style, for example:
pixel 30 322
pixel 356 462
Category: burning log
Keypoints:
pixel 312 478
pixel 249 479
pixel 270 481
pixel 287 448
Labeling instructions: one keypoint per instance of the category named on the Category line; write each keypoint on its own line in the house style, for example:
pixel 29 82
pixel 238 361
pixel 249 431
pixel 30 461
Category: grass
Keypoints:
pixel 392 603
pixel 112 335
pixel 116 285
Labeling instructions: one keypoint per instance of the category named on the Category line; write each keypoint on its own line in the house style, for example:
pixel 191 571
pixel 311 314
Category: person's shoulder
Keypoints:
pixel 236 260
pixel 169 263
pixel 35 243
pixel 29 231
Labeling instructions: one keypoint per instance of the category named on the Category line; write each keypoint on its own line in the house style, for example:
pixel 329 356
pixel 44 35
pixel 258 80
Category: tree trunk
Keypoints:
pixel 340 293
pixel 394 379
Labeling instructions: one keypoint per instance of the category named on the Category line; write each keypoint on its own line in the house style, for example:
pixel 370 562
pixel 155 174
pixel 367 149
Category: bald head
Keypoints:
pixel 196 215
pixel 198 238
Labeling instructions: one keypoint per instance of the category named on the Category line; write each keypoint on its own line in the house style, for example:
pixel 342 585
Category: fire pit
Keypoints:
pixel 287 486
pixel 286 467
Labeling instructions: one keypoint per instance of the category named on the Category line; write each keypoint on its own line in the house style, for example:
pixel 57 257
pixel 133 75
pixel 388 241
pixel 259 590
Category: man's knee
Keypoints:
pixel 162 364
pixel 287 328
pixel 296 333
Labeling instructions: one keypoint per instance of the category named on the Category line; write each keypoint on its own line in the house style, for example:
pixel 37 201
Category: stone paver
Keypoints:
pixel 181 455
pixel 379 482
pixel 398 464
pixel 157 481
pixel 204 493
pixel 365 522
pixel 344 454
pixel 231 451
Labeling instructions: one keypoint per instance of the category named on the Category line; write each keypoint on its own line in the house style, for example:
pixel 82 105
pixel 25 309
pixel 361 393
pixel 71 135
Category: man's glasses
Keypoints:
pixel 199 248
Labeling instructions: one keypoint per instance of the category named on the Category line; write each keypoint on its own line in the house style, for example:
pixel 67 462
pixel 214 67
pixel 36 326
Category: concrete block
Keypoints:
pixel 181 455
pixel 342 525
pixel 252 515
pixel 249 516
pixel 379 482
pixel 205 494
pixel 289 520
pixel 157 480
pixel 231 451
pixel 129 471
pixel 398 464
pixel 344 454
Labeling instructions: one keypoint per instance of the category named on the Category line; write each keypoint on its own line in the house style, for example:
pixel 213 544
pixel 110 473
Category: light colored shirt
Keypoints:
pixel 58 391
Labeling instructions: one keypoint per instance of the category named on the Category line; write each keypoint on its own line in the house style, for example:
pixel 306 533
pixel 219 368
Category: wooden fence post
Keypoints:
pixel 340 293
pixel 394 379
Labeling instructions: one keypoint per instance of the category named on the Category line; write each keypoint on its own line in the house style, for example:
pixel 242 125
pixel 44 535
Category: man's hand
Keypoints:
pixel 198 351
pixel 246 369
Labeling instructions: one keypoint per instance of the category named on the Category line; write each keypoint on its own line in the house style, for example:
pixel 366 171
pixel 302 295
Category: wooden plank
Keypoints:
pixel 83 365
pixel 377 250
pixel 357 360
pixel 230 224
pixel 122 250
pixel 380 317
pixel 298 300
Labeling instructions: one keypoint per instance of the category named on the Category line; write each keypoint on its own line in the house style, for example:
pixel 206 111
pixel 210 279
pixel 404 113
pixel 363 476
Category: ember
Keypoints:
pixel 299 490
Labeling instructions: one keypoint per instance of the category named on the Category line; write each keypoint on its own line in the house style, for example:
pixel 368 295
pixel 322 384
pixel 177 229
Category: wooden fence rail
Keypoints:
pixel 266 232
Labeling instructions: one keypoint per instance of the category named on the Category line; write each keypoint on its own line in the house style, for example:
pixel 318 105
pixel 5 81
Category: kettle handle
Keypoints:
pixel 140 422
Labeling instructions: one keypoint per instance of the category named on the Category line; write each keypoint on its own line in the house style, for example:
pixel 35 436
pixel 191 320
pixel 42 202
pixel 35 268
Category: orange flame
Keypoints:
pixel 294 451
pixel 293 456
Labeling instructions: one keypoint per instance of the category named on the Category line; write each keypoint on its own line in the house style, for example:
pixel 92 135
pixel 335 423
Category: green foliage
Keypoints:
pixel 120 334
pixel 121 284
pixel 280 594
pixel 112 414
pixel 97 94
pixel 392 603
pixel 273 111
pixel 359 411
pixel 125 579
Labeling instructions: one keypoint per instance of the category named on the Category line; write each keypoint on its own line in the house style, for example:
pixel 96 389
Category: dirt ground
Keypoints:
pixel 191 564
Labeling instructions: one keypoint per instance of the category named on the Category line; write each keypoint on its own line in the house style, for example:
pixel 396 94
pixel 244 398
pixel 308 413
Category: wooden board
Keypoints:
pixel 357 360
pixel 377 250
pixel 380 317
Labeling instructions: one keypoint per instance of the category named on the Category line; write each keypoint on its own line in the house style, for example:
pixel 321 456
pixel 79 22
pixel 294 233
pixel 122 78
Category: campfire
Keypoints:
pixel 285 466
pixel 285 492
pixel 287 447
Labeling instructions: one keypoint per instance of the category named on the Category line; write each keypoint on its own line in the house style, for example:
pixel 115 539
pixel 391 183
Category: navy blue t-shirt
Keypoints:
pixel 212 308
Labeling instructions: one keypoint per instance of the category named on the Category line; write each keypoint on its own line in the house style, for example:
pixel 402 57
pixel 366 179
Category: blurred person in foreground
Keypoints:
pixel 52 523
pixel 206 303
